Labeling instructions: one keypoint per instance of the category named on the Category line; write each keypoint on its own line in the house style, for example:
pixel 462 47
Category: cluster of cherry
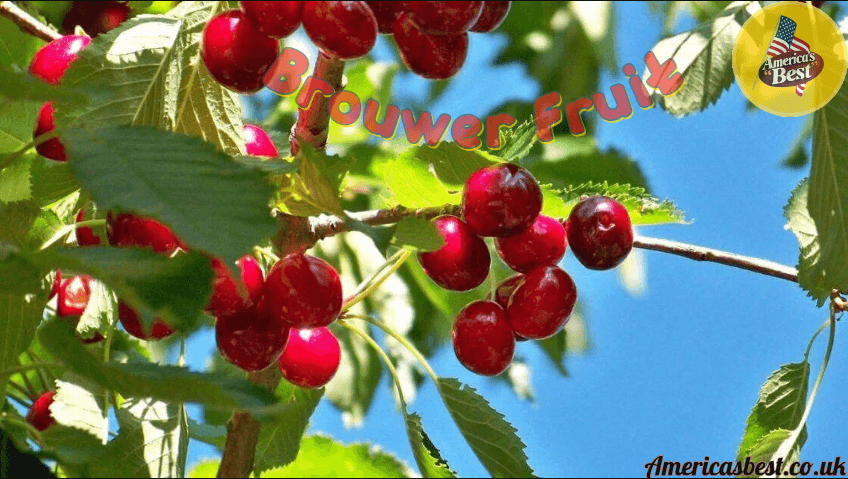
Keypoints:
pixel 505 201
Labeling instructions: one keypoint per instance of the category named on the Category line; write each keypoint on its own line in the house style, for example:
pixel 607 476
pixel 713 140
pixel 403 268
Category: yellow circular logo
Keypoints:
pixel 790 59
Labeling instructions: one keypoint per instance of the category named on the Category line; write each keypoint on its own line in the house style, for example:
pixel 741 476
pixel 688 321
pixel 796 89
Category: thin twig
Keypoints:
pixel 27 23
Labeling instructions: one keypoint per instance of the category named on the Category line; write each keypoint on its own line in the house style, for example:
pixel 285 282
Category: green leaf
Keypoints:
pixel 412 184
pixel 828 193
pixel 147 71
pixel 812 275
pixel 779 407
pixel 611 166
pixel 797 157
pixel 451 164
pixel 704 57
pixel 418 233
pixel 427 456
pixel 52 181
pixel 353 387
pixel 280 440
pixel 16 46
pixel 17 85
pixel 517 142
pixel 555 349
pixel 82 405
pixel 73 447
pixel 19 318
pixel 207 433
pixel 644 209
pixel 494 441
pixel 16 221
pixel 764 450
pixel 16 179
pixel 100 311
pixel 144 170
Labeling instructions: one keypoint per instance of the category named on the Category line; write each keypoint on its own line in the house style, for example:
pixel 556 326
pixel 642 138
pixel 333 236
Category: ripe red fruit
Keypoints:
pixel 445 17
pixel 39 413
pixel 235 53
pixel 600 232
pixel 53 59
pixel 501 200
pixel 257 142
pixel 52 149
pixel 503 293
pixel 57 282
pixel 540 307
pixel 483 339
pixel 386 13
pixel 493 15
pixel 434 56
pixel 95 17
pixel 126 229
pixel 250 338
pixel 303 292
pixel 85 234
pixel 462 263
pixel 345 30
pixel 73 296
pixel 543 243
pixel 274 19
pixel 132 325
pixel 311 357
pixel 226 297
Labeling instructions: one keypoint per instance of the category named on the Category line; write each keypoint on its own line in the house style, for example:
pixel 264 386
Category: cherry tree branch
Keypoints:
pixel 27 22
pixel 313 123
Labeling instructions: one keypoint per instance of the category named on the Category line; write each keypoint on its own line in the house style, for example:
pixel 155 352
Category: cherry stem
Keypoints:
pixel 42 377
pixel 368 339
pixel 379 277
pixel 27 22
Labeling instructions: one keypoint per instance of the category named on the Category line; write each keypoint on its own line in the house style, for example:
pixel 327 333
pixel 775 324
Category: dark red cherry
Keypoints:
pixel 257 142
pixel 227 297
pixel 274 19
pixel 132 325
pixel 126 229
pixel 250 338
pixel 482 338
pixel 52 149
pixel 493 15
pixel 501 200
pixel 503 293
pixel 445 17
pixel 95 17
pixel 85 234
pixel 303 291
pixel 540 306
pixel 462 263
pixel 235 53
pixel 543 243
pixel 73 296
pixel 53 59
pixel 434 56
pixel 600 232
pixel 345 30
pixel 57 283
pixel 311 357
pixel 39 413
pixel 386 13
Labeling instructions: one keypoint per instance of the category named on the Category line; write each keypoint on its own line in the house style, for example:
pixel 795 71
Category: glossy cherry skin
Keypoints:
pixel 258 143
pixel 39 413
pixel 250 338
pixel 483 339
pixel 445 17
pixel 274 19
pixel 227 298
pixel 95 17
pixel 493 15
pixel 235 53
pixel 600 232
pixel 462 263
pixel 345 30
pixel 52 149
pixel 53 59
pixel 501 200
pixel 543 243
pixel 126 229
pixel 73 296
pixel 303 291
pixel 433 56
pixel 132 325
pixel 311 357
pixel 503 293
pixel 85 234
pixel 386 13
pixel 540 306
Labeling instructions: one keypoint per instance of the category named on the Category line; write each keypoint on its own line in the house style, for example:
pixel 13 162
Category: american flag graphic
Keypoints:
pixel 785 41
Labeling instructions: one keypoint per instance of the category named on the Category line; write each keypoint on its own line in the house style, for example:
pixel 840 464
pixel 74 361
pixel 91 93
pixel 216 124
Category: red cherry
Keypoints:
pixel 126 229
pixel 543 243
pixel 501 200
pixel 482 338
pixel 345 30
pixel 503 293
pixel 433 56
pixel 235 53
pixel 132 325
pixel 600 232
pixel 39 414
pixel 95 17
pixel 445 17
pixel 274 19
pixel 73 296
pixel 57 283
pixel 85 234
pixel 303 292
pixel 52 149
pixel 540 307
pixel 311 357
pixel 257 141
pixel 493 15
pixel 226 297
pixel 53 59
pixel 250 338
pixel 386 13
pixel 462 263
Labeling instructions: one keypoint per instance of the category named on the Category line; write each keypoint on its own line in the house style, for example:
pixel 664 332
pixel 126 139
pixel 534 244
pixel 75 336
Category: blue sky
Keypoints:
pixel 674 371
